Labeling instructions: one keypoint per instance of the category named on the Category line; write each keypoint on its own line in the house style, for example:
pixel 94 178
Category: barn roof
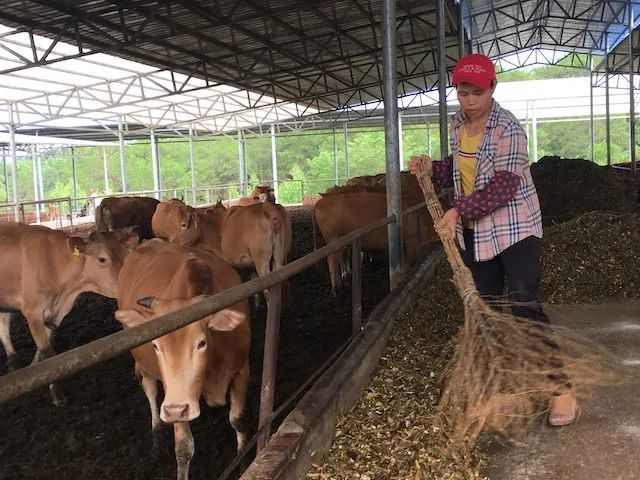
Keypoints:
pixel 220 65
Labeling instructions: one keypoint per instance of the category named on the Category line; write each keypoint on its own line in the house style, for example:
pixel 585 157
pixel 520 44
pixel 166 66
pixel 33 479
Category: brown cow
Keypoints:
pixel 179 223
pixel 256 236
pixel 366 180
pixel 43 272
pixel 260 194
pixel 120 212
pixel 338 215
pixel 52 211
pixel 202 359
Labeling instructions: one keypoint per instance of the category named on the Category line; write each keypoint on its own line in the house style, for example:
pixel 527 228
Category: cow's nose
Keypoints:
pixel 176 411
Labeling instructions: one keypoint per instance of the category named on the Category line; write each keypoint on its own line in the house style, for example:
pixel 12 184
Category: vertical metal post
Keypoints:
pixel 74 172
pixel 155 164
pixel 269 364
pixel 461 29
pixel 607 108
pixel 105 170
pixel 346 149
pixel 632 107
pixel 591 124
pixel 391 139
pixel 428 138
pixel 442 78
pixel 356 286
pixel 526 126
pixel 192 165
pixel 123 171
pixel 534 129
pixel 14 166
pixel 242 164
pixel 470 32
pixel 274 162
pixel 335 157
pixel 36 191
pixel 400 143
pixel 40 183
pixel 6 180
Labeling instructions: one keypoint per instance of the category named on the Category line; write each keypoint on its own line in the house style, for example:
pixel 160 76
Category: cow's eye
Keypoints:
pixel 202 344
pixel 102 260
pixel 156 348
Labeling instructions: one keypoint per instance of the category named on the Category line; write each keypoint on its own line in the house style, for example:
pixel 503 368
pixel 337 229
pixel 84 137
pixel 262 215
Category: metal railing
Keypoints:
pixel 63 365
pixel 63 212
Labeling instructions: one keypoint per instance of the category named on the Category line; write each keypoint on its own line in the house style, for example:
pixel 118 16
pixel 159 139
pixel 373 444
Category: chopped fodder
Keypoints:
pixel 592 258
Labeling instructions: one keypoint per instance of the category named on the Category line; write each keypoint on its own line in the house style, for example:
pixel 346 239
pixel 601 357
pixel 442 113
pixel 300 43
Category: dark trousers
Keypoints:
pixel 519 265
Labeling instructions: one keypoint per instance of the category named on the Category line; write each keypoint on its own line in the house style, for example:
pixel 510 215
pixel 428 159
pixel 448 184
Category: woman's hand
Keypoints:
pixel 421 163
pixel 449 221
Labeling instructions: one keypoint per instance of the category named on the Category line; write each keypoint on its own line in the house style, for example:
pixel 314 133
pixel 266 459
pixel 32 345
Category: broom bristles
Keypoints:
pixel 502 358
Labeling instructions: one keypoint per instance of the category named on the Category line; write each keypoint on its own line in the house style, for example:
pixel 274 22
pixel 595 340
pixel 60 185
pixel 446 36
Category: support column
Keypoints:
pixel 335 157
pixel 632 107
pixel 192 164
pixel 428 138
pixel 14 166
pixel 607 112
pixel 105 169
pixel 123 171
pixel 155 165
pixel 274 162
pixel 461 29
pixel 534 129
pixel 40 183
pixel 442 78
pixel 6 180
pixel 391 139
pixel 400 142
pixel 346 149
pixel 36 190
pixel 591 125
pixel 74 173
pixel 243 165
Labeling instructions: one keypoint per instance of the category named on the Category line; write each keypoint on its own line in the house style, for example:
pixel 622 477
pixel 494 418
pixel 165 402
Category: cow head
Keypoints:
pixel 263 193
pixel 103 254
pixel 176 222
pixel 183 354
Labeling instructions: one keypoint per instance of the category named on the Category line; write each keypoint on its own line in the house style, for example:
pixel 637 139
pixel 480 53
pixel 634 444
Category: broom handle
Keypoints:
pixel 435 209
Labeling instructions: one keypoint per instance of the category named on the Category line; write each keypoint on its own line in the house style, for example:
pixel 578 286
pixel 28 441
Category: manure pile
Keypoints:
pixel 569 187
pixel 594 255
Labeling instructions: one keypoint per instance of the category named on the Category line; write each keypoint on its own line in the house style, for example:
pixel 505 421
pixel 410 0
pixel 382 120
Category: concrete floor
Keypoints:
pixel 605 442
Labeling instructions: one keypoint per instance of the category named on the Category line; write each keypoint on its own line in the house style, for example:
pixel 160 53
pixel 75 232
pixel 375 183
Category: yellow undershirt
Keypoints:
pixel 467 163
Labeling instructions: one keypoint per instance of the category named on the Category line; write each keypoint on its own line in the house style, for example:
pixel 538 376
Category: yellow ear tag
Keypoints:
pixel 76 252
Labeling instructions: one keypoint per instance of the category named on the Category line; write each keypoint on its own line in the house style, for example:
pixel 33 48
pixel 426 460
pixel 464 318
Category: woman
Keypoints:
pixel 496 213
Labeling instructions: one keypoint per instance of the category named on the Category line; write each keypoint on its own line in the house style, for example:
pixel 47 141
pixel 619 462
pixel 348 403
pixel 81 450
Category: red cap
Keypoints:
pixel 478 70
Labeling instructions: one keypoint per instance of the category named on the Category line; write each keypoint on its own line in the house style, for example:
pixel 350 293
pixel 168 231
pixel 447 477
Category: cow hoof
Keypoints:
pixel 57 397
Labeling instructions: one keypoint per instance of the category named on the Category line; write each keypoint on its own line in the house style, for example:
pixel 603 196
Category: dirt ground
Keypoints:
pixel 104 430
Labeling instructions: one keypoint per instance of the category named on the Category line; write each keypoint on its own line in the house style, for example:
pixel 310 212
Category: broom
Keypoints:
pixel 504 369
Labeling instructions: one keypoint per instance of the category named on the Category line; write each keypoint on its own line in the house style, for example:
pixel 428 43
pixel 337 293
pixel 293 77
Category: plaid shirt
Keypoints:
pixel 503 212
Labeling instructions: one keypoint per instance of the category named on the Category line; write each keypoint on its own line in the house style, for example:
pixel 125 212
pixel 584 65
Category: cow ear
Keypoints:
pixel 226 320
pixel 129 318
pixel 147 302
pixel 77 245
pixel 129 237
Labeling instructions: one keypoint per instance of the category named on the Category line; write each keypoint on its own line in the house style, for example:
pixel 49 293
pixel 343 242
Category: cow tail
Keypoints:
pixel 277 227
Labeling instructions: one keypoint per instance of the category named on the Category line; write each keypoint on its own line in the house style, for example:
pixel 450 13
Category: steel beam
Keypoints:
pixel 391 139
pixel 632 100
pixel 155 165
pixel 274 162
pixel 442 78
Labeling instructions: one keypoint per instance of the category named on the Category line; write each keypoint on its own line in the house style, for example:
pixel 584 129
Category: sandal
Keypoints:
pixel 564 410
